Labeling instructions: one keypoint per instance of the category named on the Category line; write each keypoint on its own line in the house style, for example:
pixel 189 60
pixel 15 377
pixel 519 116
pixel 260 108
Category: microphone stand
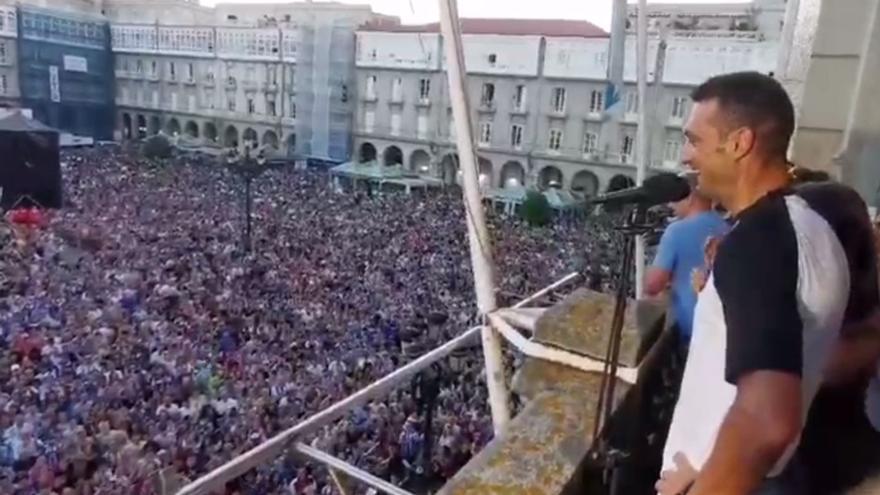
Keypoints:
pixel 604 455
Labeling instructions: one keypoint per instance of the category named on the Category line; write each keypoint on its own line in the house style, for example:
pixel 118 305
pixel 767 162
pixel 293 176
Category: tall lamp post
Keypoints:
pixel 248 168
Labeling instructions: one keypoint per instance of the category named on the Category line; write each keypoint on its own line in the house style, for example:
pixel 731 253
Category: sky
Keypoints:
pixel 420 11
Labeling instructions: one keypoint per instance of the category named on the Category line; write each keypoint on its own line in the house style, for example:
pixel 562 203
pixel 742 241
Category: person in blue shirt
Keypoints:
pixel 680 253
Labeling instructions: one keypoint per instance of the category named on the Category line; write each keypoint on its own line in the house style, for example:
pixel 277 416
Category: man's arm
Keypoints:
pixel 857 350
pixel 656 281
pixel 757 282
pixel 660 273
pixel 763 420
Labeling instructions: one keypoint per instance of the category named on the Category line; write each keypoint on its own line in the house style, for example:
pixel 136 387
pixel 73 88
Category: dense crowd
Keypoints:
pixel 141 347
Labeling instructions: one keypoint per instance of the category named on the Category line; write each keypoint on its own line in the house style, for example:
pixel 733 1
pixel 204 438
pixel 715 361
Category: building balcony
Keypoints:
pixel 153 77
pixel 250 86
pixel 231 84
pixel 593 156
pixel 519 111
pixel 271 88
pixel 288 121
pixel 486 107
pixel 190 81
pixel 423 103
pixel 123 74
pixel 173 80
pixel 557 113
pixel 370 98
pixel 675 122
pixel 208 82
pixel 593 116
pixel 396 100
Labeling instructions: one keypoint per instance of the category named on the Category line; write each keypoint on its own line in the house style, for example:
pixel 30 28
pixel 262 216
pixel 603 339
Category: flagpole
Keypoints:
pixel 643 133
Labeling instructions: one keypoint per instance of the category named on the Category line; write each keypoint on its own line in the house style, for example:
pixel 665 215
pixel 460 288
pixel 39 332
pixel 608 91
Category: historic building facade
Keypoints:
pixel 537 93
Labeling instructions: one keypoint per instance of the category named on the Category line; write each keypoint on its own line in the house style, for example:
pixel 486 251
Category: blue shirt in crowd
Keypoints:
pixel 681 250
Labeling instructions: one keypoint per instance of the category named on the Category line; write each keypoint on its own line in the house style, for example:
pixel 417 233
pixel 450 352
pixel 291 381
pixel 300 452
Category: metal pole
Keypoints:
pixel 478 235
pixel 643 132
pixel 352 471
pixel 247 211
pixel 274 446
pixel 614 88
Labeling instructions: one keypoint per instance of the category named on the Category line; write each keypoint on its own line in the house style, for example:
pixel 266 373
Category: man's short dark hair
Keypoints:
pixel 756 101
pixel 801 175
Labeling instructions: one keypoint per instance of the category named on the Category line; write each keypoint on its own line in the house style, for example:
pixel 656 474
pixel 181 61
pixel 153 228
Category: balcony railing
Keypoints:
pixel 501 322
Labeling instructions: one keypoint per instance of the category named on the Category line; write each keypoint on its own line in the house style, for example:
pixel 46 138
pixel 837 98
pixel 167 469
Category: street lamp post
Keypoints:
pixel 247 168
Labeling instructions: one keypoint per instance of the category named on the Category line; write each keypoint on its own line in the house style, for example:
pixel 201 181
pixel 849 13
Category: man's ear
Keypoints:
pixel 741 142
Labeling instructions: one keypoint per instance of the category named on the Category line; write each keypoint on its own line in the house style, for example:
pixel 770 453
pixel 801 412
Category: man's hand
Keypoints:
pixel 676 481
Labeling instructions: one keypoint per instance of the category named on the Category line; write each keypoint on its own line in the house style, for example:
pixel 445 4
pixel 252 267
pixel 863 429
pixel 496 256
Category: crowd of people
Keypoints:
pixel 141 346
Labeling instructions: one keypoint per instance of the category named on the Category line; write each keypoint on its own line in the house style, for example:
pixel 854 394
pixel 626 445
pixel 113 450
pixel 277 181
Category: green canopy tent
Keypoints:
pixel 373 172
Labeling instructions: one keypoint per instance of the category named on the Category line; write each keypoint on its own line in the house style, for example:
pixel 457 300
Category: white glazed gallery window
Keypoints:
pixel 679 108
pixel 555 141
pixel 591 143
pixel 485 134
pixel 424 89
pixel 516 136
pixel 519 98
pixel 370 90
pixel 672 153
pixel 397 89
pixel 626 148
pixel 597 101
pixel 559 100
pixel 422 126
pixel 395 124
pixel 369 120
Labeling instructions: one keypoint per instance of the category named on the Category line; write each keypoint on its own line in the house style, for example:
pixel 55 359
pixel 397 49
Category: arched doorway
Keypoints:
pixel 230 137
pixel 620 182
pixel 291 145
pixel 126 126
pixel 210 132
pixel 270 139
pixel 155 125
pixel 485 175
pixel 141 127
pixel 449 169
pixel 550 176
pixel 249 138
pixel 392 156
pixel 585 183
pixel 173 127
pixel 367 153
pixel 192 129
pixel 513 175
pixel 420 162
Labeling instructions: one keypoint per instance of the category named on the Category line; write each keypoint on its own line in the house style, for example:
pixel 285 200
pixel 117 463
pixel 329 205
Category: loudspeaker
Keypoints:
pixel 30 170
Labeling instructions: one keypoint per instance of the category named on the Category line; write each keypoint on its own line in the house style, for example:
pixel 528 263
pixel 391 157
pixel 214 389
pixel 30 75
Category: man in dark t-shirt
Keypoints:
pixel 839 446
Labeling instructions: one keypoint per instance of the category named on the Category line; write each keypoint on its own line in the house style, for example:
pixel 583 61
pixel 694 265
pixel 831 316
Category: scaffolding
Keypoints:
pixel 325 96
pixel 66 72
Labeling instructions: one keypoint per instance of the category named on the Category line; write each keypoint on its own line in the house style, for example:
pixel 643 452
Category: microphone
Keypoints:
pixel 656 190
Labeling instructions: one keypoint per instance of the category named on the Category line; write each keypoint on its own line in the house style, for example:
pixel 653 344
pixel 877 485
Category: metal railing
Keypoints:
pixel 289 438
pixel 492 331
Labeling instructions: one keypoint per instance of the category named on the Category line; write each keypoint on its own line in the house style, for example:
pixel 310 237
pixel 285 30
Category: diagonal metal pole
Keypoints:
pixel 478 234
